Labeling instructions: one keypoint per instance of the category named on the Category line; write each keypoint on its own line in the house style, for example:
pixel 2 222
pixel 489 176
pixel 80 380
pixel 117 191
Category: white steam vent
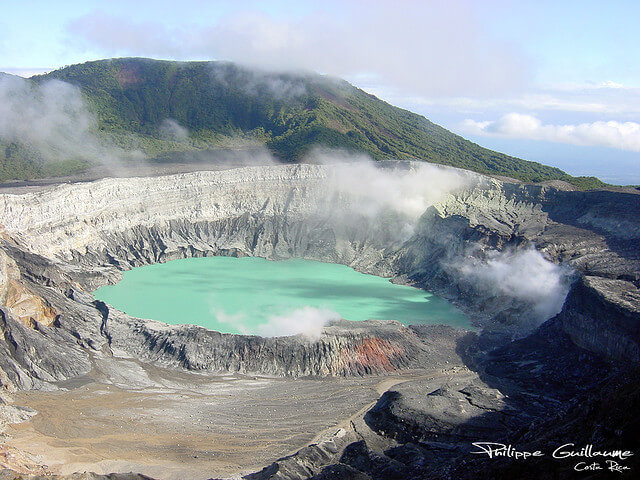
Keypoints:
pixel 524 275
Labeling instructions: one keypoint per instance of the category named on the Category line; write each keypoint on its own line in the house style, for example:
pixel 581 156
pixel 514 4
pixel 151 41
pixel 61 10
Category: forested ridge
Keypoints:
pixel 165 108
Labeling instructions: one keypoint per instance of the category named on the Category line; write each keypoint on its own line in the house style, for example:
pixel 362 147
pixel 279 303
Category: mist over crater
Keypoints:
pixel 551 269
pixel 377 219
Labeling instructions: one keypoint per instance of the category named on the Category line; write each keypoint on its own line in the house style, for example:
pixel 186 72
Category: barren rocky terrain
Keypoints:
pixel 368 399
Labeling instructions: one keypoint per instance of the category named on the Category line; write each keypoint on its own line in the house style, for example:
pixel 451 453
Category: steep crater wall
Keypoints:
pixel 273 212
pixel 60 243
pixel 594 235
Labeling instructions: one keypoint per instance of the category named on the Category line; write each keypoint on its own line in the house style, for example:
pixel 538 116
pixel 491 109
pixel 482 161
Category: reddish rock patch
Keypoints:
pixel 373 354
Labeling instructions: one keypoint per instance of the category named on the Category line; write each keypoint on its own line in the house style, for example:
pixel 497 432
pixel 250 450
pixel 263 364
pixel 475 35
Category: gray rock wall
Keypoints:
pixel 61 243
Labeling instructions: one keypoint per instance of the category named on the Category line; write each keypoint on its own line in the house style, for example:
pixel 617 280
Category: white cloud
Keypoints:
pixel 236 320
pixel 307 321
pixel 613 134
pixel 372 191
pixel 584 86
pixel 524 275
pixel 52 118
pixel 610 84
pixel 412 44
pixel 566 103
pixel 598 101
pixel 385 202
pixel 25 72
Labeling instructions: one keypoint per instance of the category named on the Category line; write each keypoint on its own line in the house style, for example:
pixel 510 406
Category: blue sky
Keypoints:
pixel 552 81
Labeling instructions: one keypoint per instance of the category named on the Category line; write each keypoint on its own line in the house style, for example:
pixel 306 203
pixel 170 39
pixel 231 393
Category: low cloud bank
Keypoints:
pixel 408 191
pixel 307 321
pixel 51 118
pixel 469 58
pixel 388 198
pixel 612 134
pixel 255 81
pixel 524 275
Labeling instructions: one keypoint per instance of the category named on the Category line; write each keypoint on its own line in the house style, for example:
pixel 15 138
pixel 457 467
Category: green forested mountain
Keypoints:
pixel 147 104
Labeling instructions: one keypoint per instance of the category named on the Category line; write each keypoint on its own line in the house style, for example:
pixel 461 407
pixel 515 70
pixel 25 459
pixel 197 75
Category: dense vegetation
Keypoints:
pixel 141 104
pixel 20 162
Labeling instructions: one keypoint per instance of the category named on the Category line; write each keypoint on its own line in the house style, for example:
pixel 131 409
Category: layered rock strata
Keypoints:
pixel 61 243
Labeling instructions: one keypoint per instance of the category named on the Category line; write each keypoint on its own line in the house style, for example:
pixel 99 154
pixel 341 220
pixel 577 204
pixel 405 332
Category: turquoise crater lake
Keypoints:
pixel 251 295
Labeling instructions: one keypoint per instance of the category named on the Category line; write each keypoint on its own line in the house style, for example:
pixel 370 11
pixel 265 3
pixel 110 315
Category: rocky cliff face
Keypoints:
pixel 61 243
pixel 594 235
pixel 603 315
pixel 111 225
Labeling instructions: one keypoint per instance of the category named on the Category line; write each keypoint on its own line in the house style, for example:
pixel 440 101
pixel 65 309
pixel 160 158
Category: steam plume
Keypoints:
pixel 307 321
pixel 524 275
pixel 51 118
pixel 172 130
pixel 388 199
pixel 408 191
